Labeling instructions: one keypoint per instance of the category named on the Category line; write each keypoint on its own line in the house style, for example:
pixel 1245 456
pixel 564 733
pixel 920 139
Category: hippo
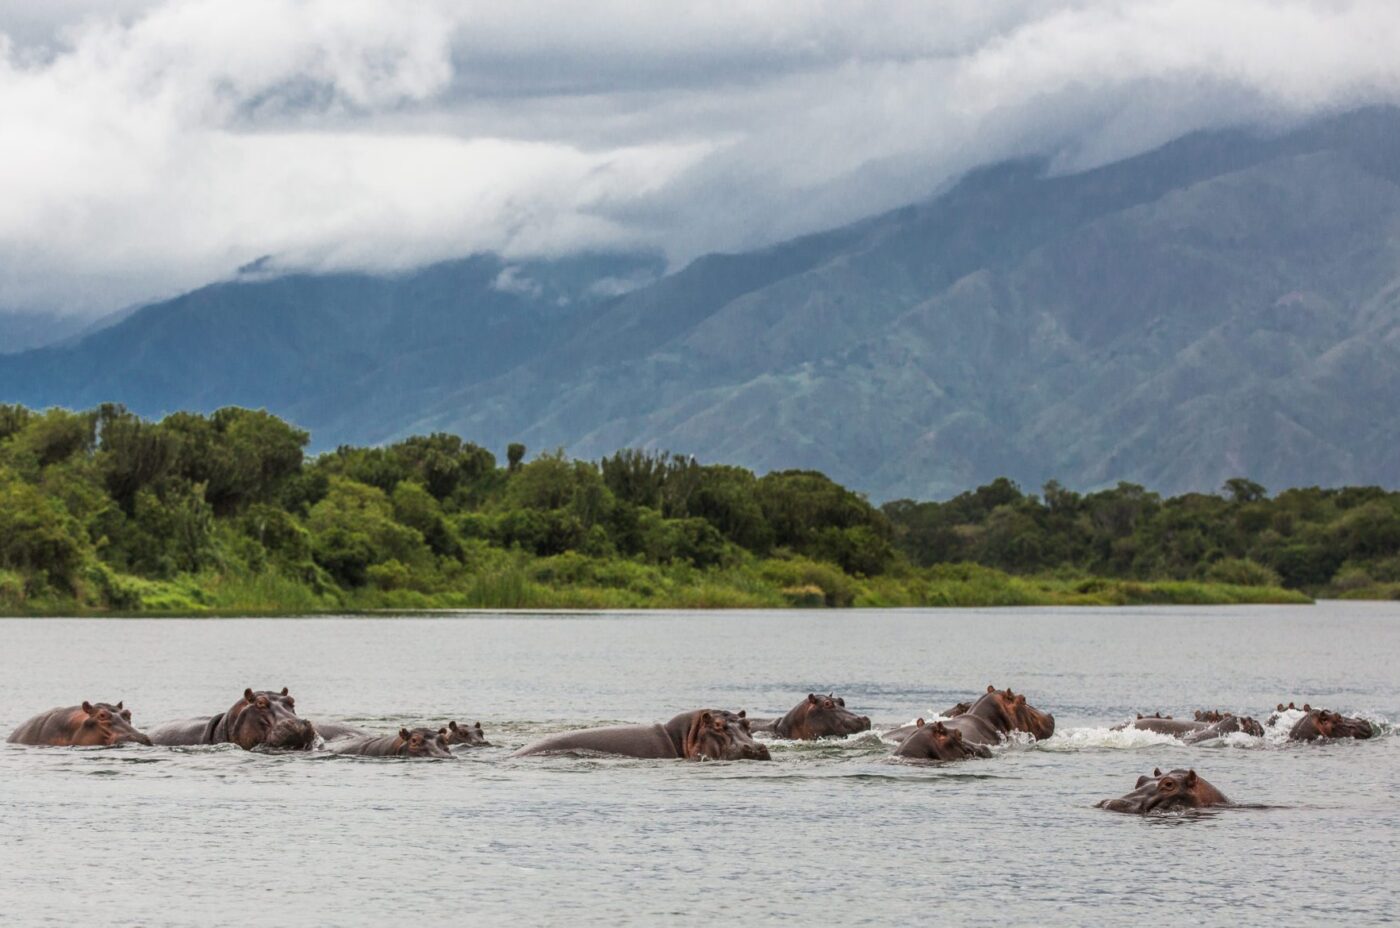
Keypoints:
pixel 259 719
pixel 89 725
pixel 992 715
pixel 417 742
pixel 938 742
pixel 1318 724
pixel 467 735
pixel 1192 731
pixel 815 717
pixel 1162 792
pixel 704 734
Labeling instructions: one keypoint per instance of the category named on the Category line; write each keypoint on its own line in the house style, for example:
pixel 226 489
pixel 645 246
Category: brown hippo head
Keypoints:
pixel 1009 711
pixel 820 717
pixel 1319 723
pixel 104 725
pixel 267 719
pixel 936 742
pixel 470 735
pixel 715 734
pixel 1180 789
pixel 421 742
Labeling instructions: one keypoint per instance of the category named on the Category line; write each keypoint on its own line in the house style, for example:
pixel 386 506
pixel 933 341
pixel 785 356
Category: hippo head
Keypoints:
pixel 1319 723
pixel 1247 724
pixel 1011 712
pixel 470 735
pixel 957 710
pixel 718 735
pixel 422 742
pixel 268 719
pixel 936 742
pixel 105 725
pixel 1180 789
pixel 823 717
pixel 1210 715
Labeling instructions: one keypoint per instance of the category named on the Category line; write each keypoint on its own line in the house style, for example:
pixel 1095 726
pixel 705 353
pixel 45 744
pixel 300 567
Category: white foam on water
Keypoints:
pixel 1283 723
pixel 1128 739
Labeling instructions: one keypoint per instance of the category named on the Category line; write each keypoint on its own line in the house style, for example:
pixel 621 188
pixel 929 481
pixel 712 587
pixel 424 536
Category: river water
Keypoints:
pixel 829 833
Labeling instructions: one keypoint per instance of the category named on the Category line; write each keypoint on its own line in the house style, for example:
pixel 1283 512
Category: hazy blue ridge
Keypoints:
pixel 1228 304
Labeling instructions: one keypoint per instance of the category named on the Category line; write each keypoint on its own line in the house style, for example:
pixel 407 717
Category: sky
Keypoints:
pixel 151 146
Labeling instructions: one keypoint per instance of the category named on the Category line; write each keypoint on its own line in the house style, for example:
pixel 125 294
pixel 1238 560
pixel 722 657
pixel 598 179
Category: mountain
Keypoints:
pixel 21 331
pixel 1228 304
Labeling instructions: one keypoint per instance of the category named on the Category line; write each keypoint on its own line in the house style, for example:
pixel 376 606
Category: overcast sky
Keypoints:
pixel 149 147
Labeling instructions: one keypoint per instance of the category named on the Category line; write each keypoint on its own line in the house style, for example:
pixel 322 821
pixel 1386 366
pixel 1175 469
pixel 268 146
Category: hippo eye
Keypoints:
pixel 1167 785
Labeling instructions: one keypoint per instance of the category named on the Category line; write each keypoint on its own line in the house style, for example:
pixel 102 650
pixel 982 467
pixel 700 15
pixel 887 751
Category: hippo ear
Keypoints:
pixel 1142 780
pixel 742 714
pixel 1139 715
pixel 918 723
pixel 812 698
pixel 1190 780
pixel 404 733
pixel 1156 771
pixel 706 718
pixel 840 702
pixel 452 725
pixel 1307 707
pixel 478 724
pixel 938 729
pixel 284 691
pixel 87 707
pixel 442 732
pixel 248 694
pixel 119 705
pixel 991 689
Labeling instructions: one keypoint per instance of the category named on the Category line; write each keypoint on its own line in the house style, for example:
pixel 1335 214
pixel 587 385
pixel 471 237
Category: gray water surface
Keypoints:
pixel 829 833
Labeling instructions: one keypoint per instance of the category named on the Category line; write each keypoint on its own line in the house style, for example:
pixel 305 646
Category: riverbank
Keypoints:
pixel 573 581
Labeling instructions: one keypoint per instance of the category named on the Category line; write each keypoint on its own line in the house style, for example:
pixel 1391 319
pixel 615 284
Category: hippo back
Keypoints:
pixel 182 732
pixel 644 741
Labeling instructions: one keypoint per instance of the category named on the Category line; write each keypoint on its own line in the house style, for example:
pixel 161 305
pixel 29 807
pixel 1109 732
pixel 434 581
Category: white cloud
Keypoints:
pixel 150 147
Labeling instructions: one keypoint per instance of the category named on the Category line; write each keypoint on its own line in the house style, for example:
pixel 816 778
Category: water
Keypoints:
pixel 829 833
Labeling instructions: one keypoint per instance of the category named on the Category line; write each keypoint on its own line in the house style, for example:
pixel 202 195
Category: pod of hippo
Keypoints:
pixel 268 720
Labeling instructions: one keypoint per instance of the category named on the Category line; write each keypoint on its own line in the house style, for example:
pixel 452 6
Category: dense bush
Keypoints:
pixel 106 510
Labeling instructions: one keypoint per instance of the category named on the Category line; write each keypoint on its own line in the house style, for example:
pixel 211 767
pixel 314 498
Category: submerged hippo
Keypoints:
pixel 259 719
pixel 1318 724
pixel 704 734
pixel 938 742
pixel 1180 789
pixel 469 735
pixel 333 731
pixel 1198 729
pixel 417 742
pixel 89 725
pixel 815 717
pixel 994 714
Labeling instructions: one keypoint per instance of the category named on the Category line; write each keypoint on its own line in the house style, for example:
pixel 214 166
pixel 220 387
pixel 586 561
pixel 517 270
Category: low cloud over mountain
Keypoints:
pixel 149 148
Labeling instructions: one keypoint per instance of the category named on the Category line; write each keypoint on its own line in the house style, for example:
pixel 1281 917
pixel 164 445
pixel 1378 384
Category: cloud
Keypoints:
pixel 148 147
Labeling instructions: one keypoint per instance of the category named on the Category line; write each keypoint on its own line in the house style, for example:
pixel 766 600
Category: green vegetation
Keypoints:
pixel 104 512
